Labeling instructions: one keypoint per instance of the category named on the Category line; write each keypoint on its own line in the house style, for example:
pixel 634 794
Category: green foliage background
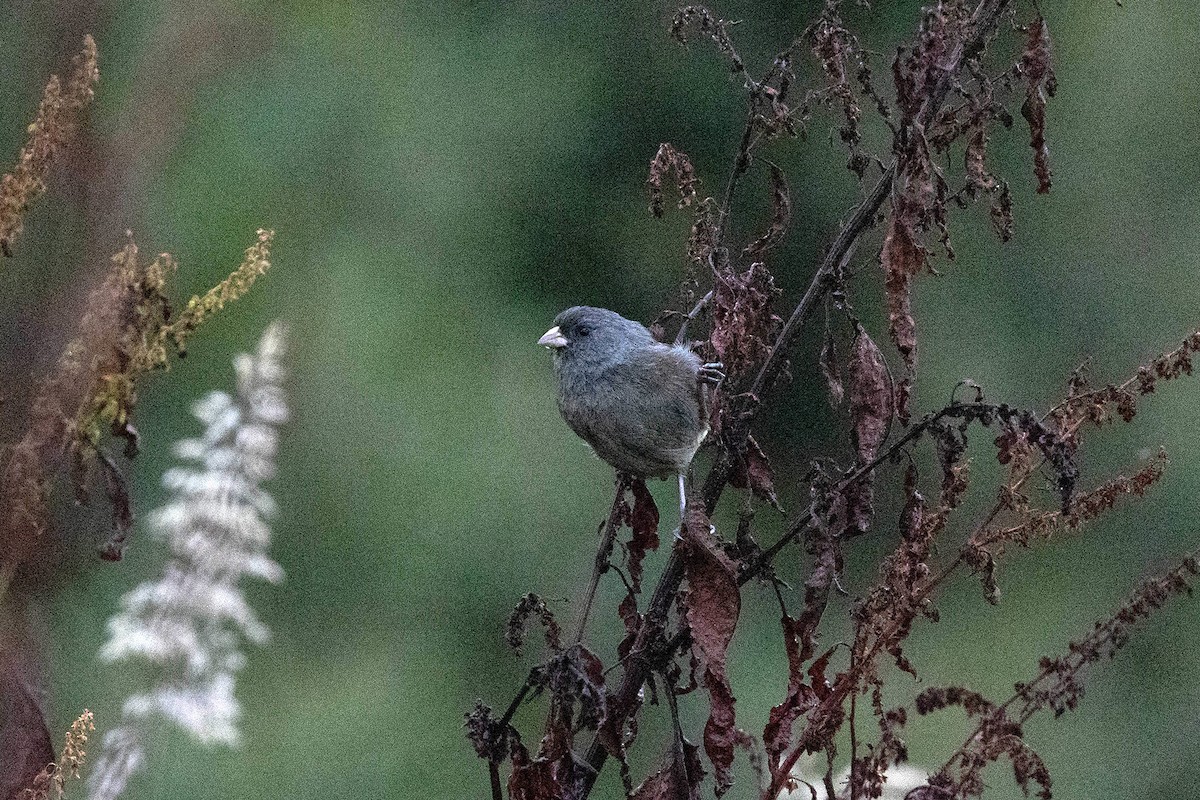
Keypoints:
pixel 443 179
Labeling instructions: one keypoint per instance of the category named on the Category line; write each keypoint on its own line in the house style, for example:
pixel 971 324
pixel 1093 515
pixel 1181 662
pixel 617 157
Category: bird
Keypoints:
pixel 640 404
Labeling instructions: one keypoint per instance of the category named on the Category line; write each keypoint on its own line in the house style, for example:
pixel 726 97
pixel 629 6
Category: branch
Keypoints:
pixel 1151 595
pixel 984 24
pixel 611 526
pixel 701 304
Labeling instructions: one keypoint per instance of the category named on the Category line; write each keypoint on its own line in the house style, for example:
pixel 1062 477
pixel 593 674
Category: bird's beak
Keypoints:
pixel 553 338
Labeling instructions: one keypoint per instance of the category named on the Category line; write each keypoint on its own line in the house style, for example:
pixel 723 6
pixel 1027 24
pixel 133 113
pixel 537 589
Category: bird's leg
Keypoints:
pixel 682 506
pixel 683 499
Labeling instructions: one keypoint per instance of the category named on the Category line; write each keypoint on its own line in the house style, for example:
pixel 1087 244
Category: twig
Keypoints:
pixel 853 737
pixel 611 526
pixel 1079 652
pixel 678 756
pixel 741 165
pixel 681 337
pixel 862 219
pixel 494 775
pixel 530 682
pixel 984 22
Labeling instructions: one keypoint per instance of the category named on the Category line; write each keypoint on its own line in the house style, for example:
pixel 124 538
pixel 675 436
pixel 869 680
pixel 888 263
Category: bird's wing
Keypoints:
pixel 657 409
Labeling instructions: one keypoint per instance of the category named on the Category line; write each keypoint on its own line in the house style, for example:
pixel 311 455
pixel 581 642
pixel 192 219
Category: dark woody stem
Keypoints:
pixel 985 20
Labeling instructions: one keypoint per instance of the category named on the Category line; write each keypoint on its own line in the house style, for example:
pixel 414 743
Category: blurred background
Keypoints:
pixel 443 179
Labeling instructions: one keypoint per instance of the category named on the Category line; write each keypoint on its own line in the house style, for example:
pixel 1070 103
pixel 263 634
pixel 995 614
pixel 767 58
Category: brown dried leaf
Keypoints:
pixel 666 161
pixel 743 321
pixel 903 257
pixel 870 396
pixel 643 520
pixel 777 734
pixel 541 778
pixel 1039 82
pixel 860 505
pixel 781 216
pixel 755 471
pixel 713 604
pixel 669 784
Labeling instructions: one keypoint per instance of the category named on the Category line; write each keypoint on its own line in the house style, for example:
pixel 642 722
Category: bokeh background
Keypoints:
pixel 445 177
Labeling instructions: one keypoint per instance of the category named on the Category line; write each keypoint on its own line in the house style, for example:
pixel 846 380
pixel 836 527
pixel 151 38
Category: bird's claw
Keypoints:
pixel 712 374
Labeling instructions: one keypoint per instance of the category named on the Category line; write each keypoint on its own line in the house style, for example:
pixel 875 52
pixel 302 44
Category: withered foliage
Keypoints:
pixel 711 606
pixel 642 520
pixel 678 779
pixel 58 118
pixel 127 331
pixel 1040 83
pixel 949 89
pixel 51 782
pixel 1057 687
pixel 666 162
pixel 127 328
pixel 532 606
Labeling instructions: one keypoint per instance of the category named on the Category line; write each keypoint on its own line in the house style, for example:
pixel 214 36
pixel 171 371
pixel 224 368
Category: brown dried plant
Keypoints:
pixel 950 87
pixel 57 120
pixel 128 328
pixel 52 781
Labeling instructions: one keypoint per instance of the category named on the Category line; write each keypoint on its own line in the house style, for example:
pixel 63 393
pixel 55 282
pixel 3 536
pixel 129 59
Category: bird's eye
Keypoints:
pixel 583 330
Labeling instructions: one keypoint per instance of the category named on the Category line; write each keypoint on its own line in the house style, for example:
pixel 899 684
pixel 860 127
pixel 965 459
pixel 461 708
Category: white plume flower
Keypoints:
pixel 900 779
pixel 189 624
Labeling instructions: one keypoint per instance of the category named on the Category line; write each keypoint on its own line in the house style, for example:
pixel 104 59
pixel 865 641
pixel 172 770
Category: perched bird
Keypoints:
pixel 639 403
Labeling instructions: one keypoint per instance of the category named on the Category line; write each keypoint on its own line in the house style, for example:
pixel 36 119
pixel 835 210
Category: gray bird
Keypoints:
pixel 639 403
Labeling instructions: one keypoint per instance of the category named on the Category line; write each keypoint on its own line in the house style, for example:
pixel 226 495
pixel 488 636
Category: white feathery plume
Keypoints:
pixel 190 622
pixel 900 780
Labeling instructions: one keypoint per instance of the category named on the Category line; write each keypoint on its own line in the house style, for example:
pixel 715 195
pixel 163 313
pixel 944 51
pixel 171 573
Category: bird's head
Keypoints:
pixel 588 334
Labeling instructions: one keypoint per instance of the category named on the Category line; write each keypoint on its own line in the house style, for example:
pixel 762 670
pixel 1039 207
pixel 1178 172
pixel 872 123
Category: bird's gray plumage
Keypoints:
pixel 636 401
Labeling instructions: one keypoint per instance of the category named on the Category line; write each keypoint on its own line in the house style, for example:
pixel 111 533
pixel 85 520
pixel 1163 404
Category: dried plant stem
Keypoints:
pixel 494 776
pixel 678 757
pixel 853 738
pixel 861 220
pixel 607 540
pixel 701 304
pixel 652 650
pixel 1081 654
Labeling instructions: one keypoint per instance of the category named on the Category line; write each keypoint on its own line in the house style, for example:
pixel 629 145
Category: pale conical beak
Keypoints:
pixel 553 338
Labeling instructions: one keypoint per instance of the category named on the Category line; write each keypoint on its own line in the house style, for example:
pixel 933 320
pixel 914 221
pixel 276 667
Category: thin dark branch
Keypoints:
pixel 853 737
pixel 741 165
pixel 984 23
pixel 860 221
pixel 1081 655
pixel 607 540
pixel 701 304
pixel 530 682
pixel 678 756
pixel 494 775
